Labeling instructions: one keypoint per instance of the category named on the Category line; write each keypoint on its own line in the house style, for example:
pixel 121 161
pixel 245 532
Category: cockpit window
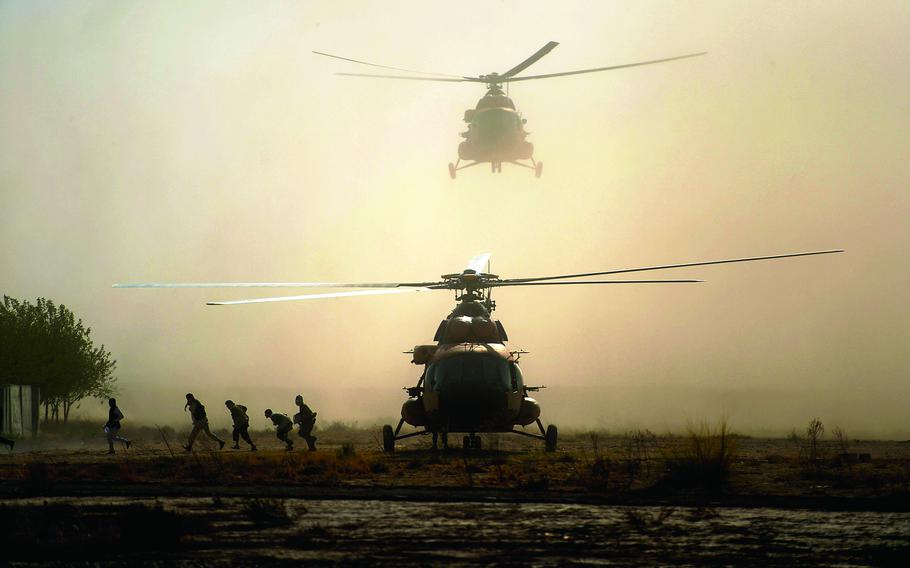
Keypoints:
pixel 492 121
pixel 470 369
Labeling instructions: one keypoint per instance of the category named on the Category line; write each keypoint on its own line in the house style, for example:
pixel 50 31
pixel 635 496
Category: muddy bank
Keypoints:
pixel 213 531
pixel 891 503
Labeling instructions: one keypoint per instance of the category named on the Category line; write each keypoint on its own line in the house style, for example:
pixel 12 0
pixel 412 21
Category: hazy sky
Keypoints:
pixel 202 141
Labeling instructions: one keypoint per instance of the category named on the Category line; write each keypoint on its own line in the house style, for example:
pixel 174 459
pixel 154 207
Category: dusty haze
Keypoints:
pixel 170 141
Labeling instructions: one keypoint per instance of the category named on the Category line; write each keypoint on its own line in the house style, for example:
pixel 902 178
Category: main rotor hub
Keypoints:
pixel 494 83
pixel 472 287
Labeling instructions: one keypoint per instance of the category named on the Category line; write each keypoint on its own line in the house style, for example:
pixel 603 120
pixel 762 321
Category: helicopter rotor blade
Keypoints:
pixel 531 60
pixel 384 66
pixel 274 285
pixel 596 69
pixel 318 296
pixel 510 284
pixel 479 263
pixel 666 266
pixel 443 79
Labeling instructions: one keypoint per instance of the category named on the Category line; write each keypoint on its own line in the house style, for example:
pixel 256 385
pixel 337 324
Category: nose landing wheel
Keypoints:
pixel 550 438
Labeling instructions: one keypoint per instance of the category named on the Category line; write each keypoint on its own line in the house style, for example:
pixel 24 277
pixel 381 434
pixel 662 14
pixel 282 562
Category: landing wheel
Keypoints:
pixel 452 170
pixel 538 169
pixel 388 439
pixel 551 438
pixel 471 443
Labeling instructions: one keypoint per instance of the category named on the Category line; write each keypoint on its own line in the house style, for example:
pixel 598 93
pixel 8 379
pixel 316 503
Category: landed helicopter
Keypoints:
pixel 471 382
pixel 496 132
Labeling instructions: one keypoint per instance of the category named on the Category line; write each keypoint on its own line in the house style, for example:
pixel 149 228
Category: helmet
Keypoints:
pixel 229 403
pixel 189 396
pixel 268 412
pixel 299 399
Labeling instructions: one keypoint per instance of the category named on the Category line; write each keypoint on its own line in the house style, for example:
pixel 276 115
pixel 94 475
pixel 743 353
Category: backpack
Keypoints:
pixel 199 411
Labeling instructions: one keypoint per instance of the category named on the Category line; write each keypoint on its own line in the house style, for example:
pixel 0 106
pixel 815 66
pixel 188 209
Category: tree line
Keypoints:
pixel 45 345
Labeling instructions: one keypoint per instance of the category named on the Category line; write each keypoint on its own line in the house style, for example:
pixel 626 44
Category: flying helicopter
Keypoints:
pixel 471 382
pixel 496 132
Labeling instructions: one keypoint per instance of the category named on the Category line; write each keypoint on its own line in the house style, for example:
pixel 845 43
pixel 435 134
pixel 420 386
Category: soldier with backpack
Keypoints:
pixel 306 419
pixel 200 422
pixel 241 425
pixel 283 425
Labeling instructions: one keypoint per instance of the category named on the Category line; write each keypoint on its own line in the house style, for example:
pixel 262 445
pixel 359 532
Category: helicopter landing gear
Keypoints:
pixel 537 166
pixel 550 438
pixel 388 439
pixel 471 443
pixel 496 167
pixel 457 166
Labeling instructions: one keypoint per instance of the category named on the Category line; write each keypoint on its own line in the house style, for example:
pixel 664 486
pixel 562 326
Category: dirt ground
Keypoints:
pixel 636 466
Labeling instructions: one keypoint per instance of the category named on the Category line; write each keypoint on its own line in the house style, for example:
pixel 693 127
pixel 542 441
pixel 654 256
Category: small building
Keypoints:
pixel 19 410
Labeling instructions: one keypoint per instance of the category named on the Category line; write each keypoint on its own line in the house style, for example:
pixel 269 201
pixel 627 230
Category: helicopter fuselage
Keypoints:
pixel 495 132
pixel 471 387
pixel 471 381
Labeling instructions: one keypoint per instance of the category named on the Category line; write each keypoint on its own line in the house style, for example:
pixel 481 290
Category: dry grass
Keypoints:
pixel 704 459
pixel 208 468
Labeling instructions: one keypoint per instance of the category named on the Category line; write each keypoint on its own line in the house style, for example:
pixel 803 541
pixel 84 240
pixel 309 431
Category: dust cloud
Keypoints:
pixel 204 142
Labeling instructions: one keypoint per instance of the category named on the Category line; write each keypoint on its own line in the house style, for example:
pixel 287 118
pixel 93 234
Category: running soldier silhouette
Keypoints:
pixel 241 425
pixel 283 425
pixel 306 419
pixel 200 423
pixel 112 426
